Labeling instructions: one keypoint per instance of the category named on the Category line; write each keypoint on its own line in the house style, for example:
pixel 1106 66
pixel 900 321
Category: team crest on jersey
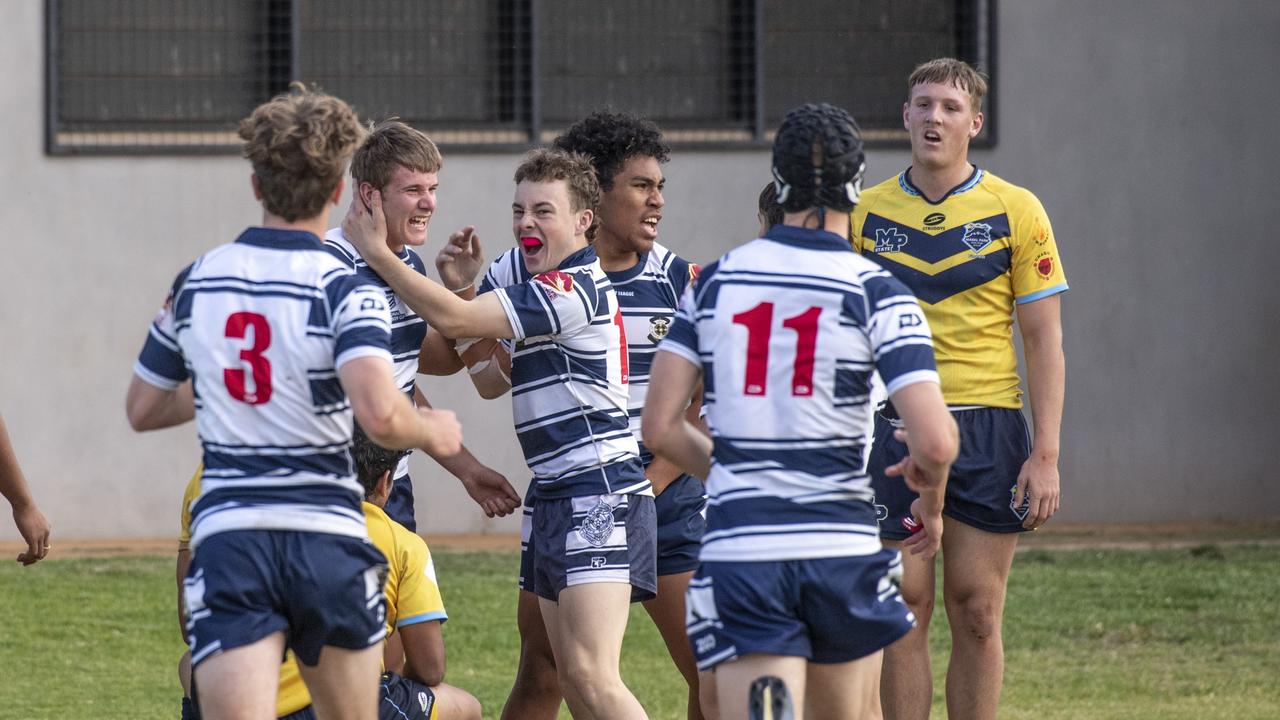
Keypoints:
pixel 1044 266
pixel 555 282
pixel 1019 511
pixel 597 526
pixel 890 240
pixel 977 236
pixel 659 326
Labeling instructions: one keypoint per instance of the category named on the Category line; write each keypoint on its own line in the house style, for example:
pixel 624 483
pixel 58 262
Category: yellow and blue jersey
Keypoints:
pixel 969 259
pixel 413 595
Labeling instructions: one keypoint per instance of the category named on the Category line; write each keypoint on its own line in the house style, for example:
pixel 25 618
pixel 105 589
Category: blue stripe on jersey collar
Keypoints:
pixel 806 238
pixel 971 182
pixel 280 239
pixel 585 256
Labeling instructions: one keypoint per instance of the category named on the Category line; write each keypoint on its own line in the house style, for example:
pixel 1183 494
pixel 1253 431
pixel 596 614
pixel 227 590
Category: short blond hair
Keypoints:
pixel 950 71
pixel 391 143
pixel 299 144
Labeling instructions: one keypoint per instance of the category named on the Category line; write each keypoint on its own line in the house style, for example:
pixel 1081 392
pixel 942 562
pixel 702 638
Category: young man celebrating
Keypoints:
pixel 626 153
pixel 404 165
pixel 976 251
pixel 785 332
pixel 282 347
pixel 593 522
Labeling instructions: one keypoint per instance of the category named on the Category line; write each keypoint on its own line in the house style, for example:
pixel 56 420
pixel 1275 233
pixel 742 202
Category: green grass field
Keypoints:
pixel 1185 633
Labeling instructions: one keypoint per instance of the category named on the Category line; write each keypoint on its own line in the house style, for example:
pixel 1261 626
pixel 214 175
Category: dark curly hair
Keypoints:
pixel 372 460
pixel 609 138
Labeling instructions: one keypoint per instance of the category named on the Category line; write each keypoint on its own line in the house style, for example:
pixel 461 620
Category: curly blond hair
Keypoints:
pixel 299 144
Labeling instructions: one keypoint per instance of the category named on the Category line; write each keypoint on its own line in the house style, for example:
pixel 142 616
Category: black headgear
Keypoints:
pixel 834 179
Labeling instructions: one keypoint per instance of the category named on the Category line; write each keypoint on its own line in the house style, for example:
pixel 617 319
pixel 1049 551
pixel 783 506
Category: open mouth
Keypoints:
pixel 530 245
pixel 932 136
pixel 651 225
pixel 419 222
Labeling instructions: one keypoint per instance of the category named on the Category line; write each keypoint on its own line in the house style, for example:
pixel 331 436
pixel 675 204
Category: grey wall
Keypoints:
pixel 1146 128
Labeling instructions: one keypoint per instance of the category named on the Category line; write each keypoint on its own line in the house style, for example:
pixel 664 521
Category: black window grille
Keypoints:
pixel 154 76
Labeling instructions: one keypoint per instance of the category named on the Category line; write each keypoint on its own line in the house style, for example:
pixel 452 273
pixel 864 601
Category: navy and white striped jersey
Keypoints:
pixel 787 330
pixel 649 294
pixel 408 329
pixel 569 376
pixel 261 327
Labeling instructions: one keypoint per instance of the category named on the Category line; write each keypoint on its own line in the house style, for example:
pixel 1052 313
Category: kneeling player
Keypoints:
pixel 415 611
pixel 786 331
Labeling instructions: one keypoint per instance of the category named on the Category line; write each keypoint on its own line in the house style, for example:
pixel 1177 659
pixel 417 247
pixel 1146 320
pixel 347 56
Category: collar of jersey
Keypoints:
pixel 621 276
pixel 970 183
pixel 807 238
pixel 585 256
pixel 280 239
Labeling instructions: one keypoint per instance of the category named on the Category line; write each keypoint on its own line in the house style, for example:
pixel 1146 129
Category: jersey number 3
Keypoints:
pixel 759 323
pixel 237 326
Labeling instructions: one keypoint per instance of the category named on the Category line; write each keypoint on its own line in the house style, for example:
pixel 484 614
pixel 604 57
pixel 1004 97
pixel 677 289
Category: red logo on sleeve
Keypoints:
pixel 694 271
pixel 1044 266
pixel 560 282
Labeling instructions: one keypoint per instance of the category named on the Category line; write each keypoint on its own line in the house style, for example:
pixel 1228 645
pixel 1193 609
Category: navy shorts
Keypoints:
pixel 399 505
pixel 681 523
pixel 829 610
pixel 319 589
pixel 594 538
pixel 993 446
pixel 403 699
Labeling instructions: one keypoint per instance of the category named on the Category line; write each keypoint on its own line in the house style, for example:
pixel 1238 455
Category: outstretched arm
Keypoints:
pixel 488 487
pixel 453 316
pixel 31 523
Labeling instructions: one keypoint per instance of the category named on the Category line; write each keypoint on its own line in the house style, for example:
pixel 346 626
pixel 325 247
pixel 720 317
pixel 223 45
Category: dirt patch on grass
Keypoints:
pixel 1052 537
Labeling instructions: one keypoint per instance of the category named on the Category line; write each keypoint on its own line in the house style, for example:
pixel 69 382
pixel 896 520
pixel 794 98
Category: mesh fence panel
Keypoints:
pixel 176 75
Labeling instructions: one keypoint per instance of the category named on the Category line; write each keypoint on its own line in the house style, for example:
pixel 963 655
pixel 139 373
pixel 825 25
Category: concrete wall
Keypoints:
pixel 1146 128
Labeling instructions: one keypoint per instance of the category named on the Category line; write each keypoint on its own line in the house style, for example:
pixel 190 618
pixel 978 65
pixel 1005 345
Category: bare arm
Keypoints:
pixel 31 523
pixel 387 415
pixel 437 356
pixel 667 431
pixel 424 652
pixel 1041 325
pixel 486 486
pixel 151 408
pixel 663 472
pixel 932 442
pixel 453 316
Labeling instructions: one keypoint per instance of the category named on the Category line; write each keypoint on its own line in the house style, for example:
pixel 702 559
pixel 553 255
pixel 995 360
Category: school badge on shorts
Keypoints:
pixel 597 526
pixel 1019 512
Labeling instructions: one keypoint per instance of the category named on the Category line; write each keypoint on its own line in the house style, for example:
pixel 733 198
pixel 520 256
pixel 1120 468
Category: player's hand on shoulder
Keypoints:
pixel 1040 488
pixel 366 228
pixel 444 433
pixel 461 259
pixel 492 492
pixel 926 531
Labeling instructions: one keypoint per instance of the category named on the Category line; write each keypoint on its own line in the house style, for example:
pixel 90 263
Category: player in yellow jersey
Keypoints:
pixel 415 610
pixel 976 251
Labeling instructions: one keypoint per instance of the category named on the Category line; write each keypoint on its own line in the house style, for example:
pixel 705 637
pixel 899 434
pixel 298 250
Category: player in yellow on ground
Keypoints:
pixel 413 685
pixel 976 251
